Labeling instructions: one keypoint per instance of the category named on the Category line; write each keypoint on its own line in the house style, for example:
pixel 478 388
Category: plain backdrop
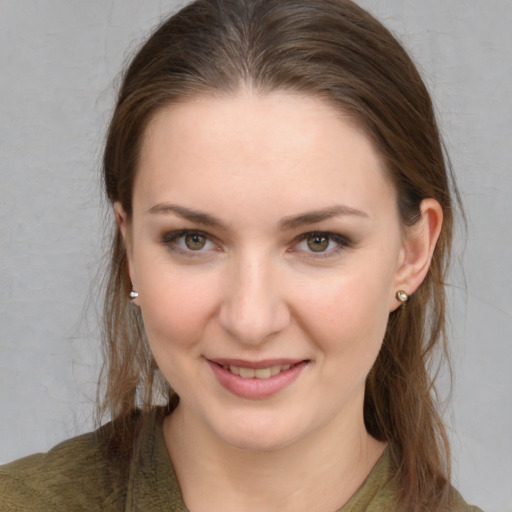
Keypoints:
pixel 59 68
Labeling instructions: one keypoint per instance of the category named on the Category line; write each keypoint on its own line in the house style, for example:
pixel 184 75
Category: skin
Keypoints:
pixel 257 288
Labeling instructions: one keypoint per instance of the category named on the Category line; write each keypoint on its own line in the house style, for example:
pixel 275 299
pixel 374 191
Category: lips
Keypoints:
pixel 256 380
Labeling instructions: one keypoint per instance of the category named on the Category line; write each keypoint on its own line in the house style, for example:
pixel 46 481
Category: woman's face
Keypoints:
pixel 266 248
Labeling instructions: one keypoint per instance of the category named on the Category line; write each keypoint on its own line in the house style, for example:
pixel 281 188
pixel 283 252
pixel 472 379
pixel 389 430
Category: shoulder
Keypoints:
pixel 98 471
pixel 75 475
pixel 380 492
pixel 459 505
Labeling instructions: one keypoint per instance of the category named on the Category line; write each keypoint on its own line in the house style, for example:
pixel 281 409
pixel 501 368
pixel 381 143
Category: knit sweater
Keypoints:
pixel 78 475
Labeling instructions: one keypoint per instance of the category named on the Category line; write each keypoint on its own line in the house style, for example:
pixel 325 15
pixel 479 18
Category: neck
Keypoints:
pixel 328 468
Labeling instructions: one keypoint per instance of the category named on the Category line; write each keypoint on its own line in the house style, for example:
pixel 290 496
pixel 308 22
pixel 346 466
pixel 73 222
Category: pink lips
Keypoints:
pixel 256 388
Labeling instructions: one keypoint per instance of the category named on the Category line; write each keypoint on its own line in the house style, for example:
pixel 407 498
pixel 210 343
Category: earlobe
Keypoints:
pixel 418 248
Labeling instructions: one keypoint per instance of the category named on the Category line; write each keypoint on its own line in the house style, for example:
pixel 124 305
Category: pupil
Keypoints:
pixel 318 243
pixel 195 242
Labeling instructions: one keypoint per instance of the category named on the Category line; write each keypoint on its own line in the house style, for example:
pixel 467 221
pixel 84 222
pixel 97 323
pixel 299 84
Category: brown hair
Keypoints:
pixel 335 50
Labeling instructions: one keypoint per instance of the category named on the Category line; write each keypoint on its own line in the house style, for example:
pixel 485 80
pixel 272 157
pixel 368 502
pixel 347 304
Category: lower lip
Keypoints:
pixel 256 388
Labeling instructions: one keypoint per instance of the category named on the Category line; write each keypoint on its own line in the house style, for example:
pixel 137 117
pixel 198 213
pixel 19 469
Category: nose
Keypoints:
pixel 253 306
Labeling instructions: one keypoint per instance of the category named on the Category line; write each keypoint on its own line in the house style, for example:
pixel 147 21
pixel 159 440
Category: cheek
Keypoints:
pixel 346 313
pixel 175 306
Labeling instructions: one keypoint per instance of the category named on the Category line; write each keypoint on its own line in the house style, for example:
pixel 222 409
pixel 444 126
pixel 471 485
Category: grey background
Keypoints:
pixel 59 66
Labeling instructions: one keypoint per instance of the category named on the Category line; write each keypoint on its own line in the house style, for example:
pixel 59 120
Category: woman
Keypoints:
pixel 283 225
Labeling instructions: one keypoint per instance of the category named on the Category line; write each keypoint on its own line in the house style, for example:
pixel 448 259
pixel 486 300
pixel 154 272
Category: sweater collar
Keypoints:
pixel 152 482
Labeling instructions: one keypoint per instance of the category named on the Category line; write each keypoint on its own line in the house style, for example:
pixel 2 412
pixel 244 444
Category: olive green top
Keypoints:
pixel 77 475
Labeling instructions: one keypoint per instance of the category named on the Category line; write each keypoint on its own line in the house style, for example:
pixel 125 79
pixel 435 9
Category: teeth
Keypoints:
pixel 258 373
pixel 262 373
pixel 274 370
pixel 247 373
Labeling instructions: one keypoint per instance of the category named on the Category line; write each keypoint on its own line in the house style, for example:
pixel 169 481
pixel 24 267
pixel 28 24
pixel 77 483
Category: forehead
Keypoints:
pixel 253 118
pixel 249 145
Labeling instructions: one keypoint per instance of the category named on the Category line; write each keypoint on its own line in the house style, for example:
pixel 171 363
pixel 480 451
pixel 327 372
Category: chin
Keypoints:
pixel 257 442
pixel 259 435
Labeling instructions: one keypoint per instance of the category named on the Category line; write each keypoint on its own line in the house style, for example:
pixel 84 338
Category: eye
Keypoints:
pixel 195 241
pixel 321 243
pixel 187 242
pixel 318 243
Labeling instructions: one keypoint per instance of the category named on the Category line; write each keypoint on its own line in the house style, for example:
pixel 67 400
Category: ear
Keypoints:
pixel 124 226
pixel 417 249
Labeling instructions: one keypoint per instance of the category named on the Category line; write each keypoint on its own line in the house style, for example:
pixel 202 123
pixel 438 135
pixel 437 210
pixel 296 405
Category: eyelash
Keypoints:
pixel 341 241
pixel 170 239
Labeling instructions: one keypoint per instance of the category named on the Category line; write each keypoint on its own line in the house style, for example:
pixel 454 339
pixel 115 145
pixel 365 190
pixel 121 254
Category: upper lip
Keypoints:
pixel 265 363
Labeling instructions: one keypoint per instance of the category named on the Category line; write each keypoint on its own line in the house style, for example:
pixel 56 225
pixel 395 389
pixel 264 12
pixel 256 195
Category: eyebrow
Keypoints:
pixel 315 216
pixel 287 223
pixel 192 215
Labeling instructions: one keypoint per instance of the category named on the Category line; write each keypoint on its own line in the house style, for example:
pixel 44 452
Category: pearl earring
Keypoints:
pixel 402 297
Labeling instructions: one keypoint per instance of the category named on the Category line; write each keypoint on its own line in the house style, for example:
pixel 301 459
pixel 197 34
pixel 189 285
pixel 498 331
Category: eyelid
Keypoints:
pixel 169 239
pixel 342 243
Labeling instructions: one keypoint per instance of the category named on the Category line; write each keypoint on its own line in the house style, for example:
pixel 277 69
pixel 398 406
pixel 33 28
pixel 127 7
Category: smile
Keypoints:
pixel 256 380
pixel 257 373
